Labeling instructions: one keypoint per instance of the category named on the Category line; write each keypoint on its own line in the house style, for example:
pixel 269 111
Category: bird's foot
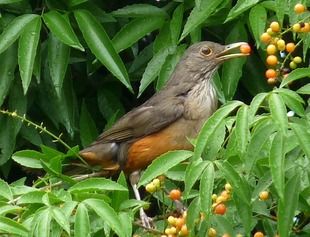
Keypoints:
pixel 146 221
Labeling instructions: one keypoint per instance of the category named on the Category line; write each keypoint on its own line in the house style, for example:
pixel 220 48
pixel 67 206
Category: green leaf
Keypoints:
pixel 255 104
pixel 276 161
pixel 58 59
pixel 31 197
pixel 153 68
pixel 169 66
pixel 11 227
pixel 193 173
pixel 296 74
pixel 281 8
pixel 232 69
pixel 72 3
pixel 5 190
pixel 14 29
pixel 27 50
pixel 239 8
pixel 244 209
pixel 107 214
pixel 81 222
pixel 258 19
pixel 28 158
pixel 9 1
pixel 44 223
pixel 96 184
pixel 278 112
pixel 287 208
pixel 198 15
pixel 162 164
pixel 193 213
pixel 237 182
pixel 135 30
pixel 118 197
pixel 206 189
pixel 59 216
pixel 101 46
pixel 259 138
pixel 139 10
pixel 176 23
pixel 303 136
pixel 292 100
pixel 242 129
pixel 60 26
pixel 126 219
pixel 211 125
pixel 8 62
pixel 88 130
pixel 302 90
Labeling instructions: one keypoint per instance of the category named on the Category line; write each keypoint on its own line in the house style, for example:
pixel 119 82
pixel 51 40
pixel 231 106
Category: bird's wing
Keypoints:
pixel 144 120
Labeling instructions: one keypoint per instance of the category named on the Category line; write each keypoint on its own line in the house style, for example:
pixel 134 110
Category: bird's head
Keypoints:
pixel 206 56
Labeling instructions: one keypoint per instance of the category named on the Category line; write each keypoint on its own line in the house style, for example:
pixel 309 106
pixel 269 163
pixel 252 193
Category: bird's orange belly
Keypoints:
pixel 143 151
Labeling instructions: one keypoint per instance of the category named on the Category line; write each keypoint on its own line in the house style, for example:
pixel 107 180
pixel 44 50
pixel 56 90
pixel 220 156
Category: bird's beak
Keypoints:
pixel 228 53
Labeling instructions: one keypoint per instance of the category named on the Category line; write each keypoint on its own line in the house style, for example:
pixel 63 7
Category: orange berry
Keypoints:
pixel 281 44
pixel 175 194
pixel 271 73
pixel 212 232
pixel 183 231
pixel 290 47
pixel 299 8
pixel 264 195
pixel 275 26
pixel 271 81
pixel 179 222
pixel 228 187
pixel 259 234
pixel 296 27
pixel 245 49
pixel 220 209
pixel 272 60
pixel 271 49
pixel 265 37
pixel 305 28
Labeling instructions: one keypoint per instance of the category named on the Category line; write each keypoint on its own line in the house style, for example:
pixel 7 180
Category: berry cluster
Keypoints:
pixel 218 205
pixel 280 60
pixel 176 226
pixel 153 186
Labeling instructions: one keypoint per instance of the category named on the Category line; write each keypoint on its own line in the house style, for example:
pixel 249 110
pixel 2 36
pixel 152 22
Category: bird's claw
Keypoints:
pixel 146 221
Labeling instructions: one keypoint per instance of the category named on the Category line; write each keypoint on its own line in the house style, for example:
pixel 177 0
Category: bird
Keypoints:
pixel 168 120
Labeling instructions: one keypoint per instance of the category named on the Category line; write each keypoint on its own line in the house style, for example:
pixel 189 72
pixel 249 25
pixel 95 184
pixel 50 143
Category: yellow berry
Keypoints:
pixel 214 197
pixel 156 182
pixel 220 199
pixel 299 8
pixel 179 222
pixel 265 37
pixel 270 31
pixel 228 187
pixel 296 27
pixel 271 49
pixel 225 195
pixel 212 232
pixel 271 81
pixel 297 59
pixel 272 60
pixel 305 28
pixel 150 188
pixel 293 65
pixel 281 44
pixel 264 195
pixel 183 231
pixel 171 220
pixel 275 26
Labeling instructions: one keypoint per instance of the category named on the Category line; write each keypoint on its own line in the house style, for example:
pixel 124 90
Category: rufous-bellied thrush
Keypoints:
pixel 169 118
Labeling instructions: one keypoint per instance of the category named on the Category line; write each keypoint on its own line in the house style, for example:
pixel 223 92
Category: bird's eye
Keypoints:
pixel 205 51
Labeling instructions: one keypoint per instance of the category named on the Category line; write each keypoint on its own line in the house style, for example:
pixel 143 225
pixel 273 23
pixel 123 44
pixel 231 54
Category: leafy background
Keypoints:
pixel 73 67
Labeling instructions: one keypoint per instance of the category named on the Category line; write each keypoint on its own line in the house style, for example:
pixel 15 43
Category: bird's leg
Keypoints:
pixel 134 179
